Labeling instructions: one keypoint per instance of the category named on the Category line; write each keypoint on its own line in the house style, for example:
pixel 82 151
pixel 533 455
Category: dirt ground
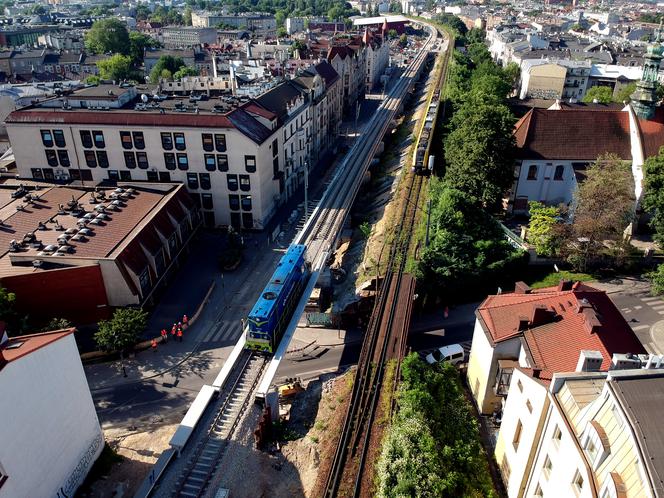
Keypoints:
pixel 139 451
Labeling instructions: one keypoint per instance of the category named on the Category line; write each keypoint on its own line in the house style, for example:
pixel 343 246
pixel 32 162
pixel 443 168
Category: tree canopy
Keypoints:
pixel 138 43
pixel 116 67
pixel 543 227
pixel 168 64
pixel 108 36
pixel 122 331
pixel 653 197
pixel 185 71
pixel 601 94
pixel 432 448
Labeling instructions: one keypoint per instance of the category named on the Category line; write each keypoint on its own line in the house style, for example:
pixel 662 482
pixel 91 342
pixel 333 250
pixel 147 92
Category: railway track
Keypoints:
pixel 193 480
pixel 385 339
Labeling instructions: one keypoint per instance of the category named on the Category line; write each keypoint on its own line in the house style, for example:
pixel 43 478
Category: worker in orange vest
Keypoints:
pixel 173 331
pixel 180 334
pixel 154 345
pixel 164 335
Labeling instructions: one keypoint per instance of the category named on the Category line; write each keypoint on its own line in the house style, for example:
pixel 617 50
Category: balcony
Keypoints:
pixel 504 377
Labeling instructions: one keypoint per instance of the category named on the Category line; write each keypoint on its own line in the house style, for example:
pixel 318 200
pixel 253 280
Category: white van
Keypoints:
pixel 453 354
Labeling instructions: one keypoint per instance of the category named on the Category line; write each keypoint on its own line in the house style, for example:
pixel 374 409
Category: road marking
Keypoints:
pixel 651 298
pixel 212 331
pixel 230 332
pixel 652 347
pixel 661 312
pixel 641 327
pixel 638 307
pixel 626 310
pixel 220 332
pixel 657 306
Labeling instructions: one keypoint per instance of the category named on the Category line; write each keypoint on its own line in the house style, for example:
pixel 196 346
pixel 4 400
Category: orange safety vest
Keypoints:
pixel 179 333
pixel 154 343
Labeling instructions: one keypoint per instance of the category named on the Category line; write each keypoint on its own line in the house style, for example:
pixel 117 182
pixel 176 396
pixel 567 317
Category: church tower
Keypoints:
pixel 645 98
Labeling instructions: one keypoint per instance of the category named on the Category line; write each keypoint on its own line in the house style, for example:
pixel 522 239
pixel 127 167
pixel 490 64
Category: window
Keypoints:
pixel 547 467
pixel 246 203
pixel 557 436
pixel 167 141
pixel 245 183
pixel 59 137
pixel 48 174
pixel 206 201
pixel 591 450
pixel 125 175
pixel 37 173
pixel 558 175
pixel 164 176
pixel 210 162
pixel 222 162
pixel 179 141
pixel 139 141
pixel 47 138
pixel 538 492
pixel 153 176
pixel 98 136
pixel 250 164
pixel 208 145
pixel 51 157
pixel 517 435
pixel 233 201
pixel 169 160
pixel 144 281
pixel 130 160
pixel 220 142
pixel 275 147
pixel 113 174
pixel 63 156
pixel 90 158
pixel 75 174
pixel 519 385
pixel 183 162
pixel 125 138
pixel 192 181
pixel 86 139
pixel 577 483
pixel 102 159
pixel 205 181
pixel 532 172
pixel 505 468
pixel 529 406
pixel 247 220
pixel 231 181
pixel 142 160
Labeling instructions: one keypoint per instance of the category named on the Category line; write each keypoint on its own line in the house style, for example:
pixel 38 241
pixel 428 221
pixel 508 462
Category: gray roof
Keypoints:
pixel 642 399
pixel 275 99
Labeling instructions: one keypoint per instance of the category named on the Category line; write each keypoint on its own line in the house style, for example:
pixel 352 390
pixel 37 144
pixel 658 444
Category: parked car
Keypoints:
pixel 453 354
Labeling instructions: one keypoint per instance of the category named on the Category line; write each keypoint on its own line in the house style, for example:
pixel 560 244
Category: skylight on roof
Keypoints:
pixel 15 345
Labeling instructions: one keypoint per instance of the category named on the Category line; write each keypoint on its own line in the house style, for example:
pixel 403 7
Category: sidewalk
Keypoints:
pixel 457 315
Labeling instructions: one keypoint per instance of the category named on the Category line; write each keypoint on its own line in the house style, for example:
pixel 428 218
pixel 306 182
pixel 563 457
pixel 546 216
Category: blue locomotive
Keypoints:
pixel 273 310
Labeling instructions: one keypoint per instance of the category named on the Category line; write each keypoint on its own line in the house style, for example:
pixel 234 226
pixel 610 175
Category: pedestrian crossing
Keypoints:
pixel 222 332
pixel 633 315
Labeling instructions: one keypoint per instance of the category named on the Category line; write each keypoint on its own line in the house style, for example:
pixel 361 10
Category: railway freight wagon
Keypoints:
pixel 272 312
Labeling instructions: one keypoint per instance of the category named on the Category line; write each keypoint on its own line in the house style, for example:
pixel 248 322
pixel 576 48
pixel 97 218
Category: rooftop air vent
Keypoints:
pixel 89 216
pixel 79 237
pixel 37 263
pixel 96 222
pixel 71 231
pixel 102 216
pixel 50 248
pixel 85 231
pixel 100 209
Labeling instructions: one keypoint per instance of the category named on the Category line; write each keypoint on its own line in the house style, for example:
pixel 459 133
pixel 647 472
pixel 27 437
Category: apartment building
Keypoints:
pixel 554 79
pixel 349 60
pixel 187 36
pixel 586 433
pixel 239 158
pixel 543 332
pixel 262 23
pixel 378 56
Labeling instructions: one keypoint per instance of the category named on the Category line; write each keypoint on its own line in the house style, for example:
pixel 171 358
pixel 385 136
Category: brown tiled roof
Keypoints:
pixel 555 344
pixel 582 134
pixel 652 133
pixel 18 347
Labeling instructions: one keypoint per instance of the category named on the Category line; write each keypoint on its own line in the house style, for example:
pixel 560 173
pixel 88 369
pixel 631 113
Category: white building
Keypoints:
pixel 378 56
pixel 48 425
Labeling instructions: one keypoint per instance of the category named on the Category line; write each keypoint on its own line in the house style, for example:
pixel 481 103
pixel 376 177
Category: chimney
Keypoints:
pixel 521 288
pixel 589 361
pixel 540 315
pixel 564 285
pixel 536 373
pixel 523 323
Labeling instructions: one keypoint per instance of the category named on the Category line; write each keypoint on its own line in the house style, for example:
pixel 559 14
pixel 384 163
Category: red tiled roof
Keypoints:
pixel 555 345
pixel 582 134
pixel 28 343
pixel 652 133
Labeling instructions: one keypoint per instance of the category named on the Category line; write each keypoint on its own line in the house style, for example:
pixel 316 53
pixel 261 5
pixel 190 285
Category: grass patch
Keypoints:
pixel 107 459
pixel 554 278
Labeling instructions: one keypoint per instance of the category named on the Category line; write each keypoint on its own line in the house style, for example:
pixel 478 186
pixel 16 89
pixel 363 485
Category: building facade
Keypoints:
pixel 50 431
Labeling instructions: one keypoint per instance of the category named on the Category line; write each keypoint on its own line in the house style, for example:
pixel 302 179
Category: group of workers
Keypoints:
pixel 177 331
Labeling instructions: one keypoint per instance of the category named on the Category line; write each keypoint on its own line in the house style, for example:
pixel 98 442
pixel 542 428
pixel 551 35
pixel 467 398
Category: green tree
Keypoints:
pixel 92 80
pixel 395 7
pixel 116 67
pixel 186 17
pixel 8 312
pixel 475 35
pixel 604 207
pixel 479 152
pixel 543 230
pixel 653 197
pixel 625 93
pixel 142 12
pixel 56 324
pixel 122 331
pixel 281 32
pixel 453 21
pixel 138 43
pixel 576 27
pixel 185 71
pixel 656 278
pixel 403 40
pixel 108 36
pixel 165 63
pixel 392 34
pixel 601 94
